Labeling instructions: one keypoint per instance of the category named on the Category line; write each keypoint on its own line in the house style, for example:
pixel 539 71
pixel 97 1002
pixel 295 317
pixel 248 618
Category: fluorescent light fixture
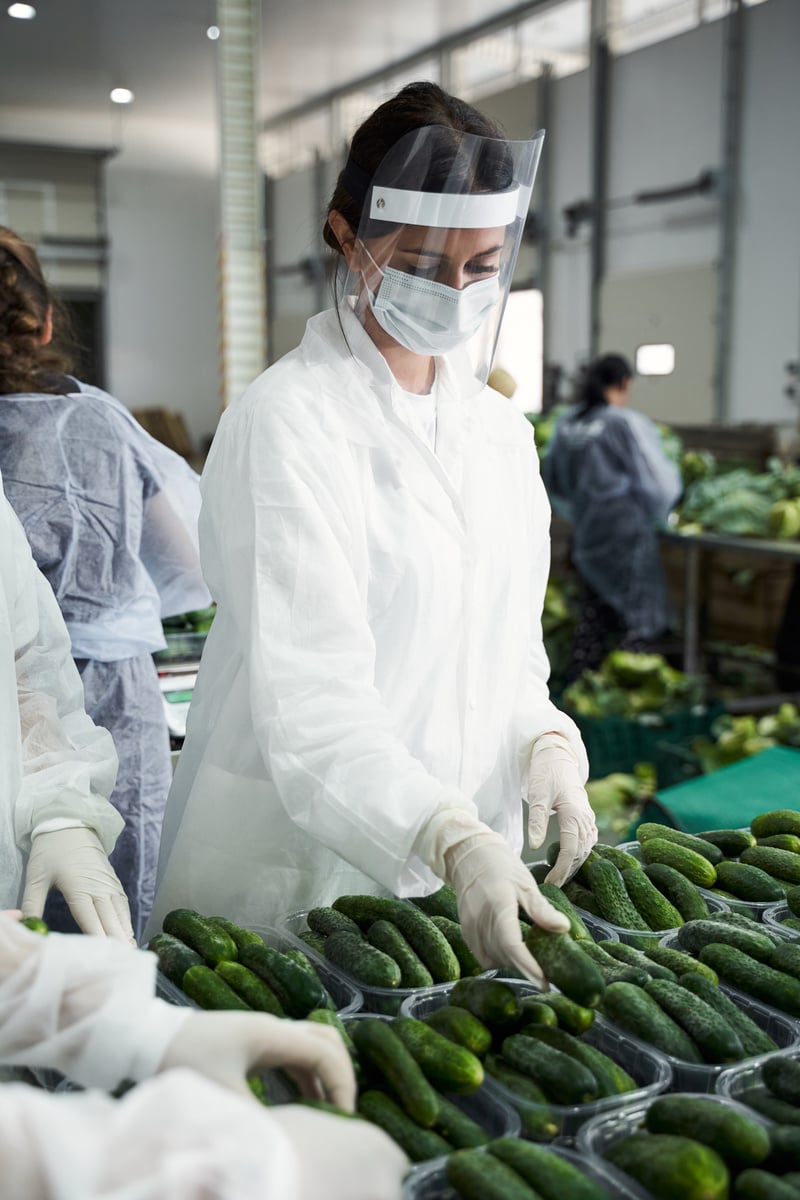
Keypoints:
pixel 121 96
pixel 23 12
pixel 212 33
pixel 657 358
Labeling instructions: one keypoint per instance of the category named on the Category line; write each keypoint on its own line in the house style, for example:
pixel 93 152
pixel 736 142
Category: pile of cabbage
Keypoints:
pixel 736 500
pixel 735 738
pixel 632 686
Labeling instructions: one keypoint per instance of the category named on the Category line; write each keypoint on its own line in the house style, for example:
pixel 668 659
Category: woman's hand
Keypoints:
pixel 555 788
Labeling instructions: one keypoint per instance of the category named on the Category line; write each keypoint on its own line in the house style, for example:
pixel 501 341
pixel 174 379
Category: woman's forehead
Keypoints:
pixel 449 243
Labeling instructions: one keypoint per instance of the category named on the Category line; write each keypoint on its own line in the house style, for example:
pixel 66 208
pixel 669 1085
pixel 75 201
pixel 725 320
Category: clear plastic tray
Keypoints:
pixel 775 915
pixel 344 993
pixel 734 1081
pixel 742 998
pixel 429 1181
pixel 385 1001
pixel 601 1132
pixel 647 1066
pixel 754 909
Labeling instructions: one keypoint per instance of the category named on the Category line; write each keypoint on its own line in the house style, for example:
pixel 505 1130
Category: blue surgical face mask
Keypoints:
pixel 428 317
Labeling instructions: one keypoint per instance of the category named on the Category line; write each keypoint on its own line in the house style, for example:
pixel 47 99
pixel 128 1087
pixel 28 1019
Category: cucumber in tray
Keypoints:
pixel 748 882
pixel 717 1041
pixel 418 1143
pixel 575 1018
pixel 417 928
pixel 680 891
pixel 780 864
pixel 206 988
pixel 440 904
pixel 563 1079
pixel 649 830
pixel 211 943
pixel 241 937
pixel 612 1080
pixel 782 1077
pixel 452 931
pixel 732 842
pixel 534 1107
pixel 680 962
pixel 755 1184
pixel 649 902
pixel 694 866
pixel 254 991
pixel 386 937
pixel 326 921
pixel 551 1177
pixel 380 1047
pixel 566 964
pixel 364 962
pixel 448 1067
pixel 632 957
pixel 493 1002
pixel 174 956
pixel 739 1140
pixel 474 1175
pixel 753 1038
pixel 608 888
pixel 671 1167
pixel 461 1027
pixel 777 820
pixel 298 991
pixel 614 971
pixel 555 896
pixel 755 978
pixel 694 935
pixel 633 1010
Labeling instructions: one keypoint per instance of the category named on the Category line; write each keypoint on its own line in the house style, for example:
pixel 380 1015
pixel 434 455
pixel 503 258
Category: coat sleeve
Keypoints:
pixel 69 764
pixel 84 1006
pixel 655 479
pixel 284 541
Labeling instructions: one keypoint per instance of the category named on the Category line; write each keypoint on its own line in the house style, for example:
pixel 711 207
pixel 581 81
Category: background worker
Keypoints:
pixel 111 516
pixel 372 703
pixel 606 473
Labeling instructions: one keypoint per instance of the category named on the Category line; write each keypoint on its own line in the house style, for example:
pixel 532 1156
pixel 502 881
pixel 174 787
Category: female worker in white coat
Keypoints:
pixel 191 1130
pixel 57 768
pixel 372 703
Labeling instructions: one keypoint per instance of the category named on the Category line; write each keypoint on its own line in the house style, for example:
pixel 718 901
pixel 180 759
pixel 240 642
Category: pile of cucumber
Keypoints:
pixel 793 903
pixel 697 1148
pixel 653 898
pixel 515 1170
pixel 219 965
pixel 390 944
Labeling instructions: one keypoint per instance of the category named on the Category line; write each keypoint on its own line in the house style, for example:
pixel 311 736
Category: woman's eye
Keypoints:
pixel 482 268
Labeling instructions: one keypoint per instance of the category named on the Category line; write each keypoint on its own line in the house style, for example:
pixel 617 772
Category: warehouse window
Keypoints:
pixel 656 358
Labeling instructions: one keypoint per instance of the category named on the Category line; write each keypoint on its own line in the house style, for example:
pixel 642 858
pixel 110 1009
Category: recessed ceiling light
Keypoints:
pixel 121 95
pixel 23 12
pixel 212 33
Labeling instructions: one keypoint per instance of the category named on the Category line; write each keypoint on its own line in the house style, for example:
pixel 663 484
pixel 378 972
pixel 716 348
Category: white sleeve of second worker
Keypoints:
pixel 342 772
pixel 177 1137
pixel 81 1005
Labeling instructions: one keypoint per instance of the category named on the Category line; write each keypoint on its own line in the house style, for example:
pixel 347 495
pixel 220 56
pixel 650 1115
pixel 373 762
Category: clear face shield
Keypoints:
pixel 439 235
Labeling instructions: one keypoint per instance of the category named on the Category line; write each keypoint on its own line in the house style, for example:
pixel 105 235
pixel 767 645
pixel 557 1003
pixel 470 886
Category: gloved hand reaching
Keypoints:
pixel 73 860
pixel 491 884
pixel 341 1159
pixel 555 788
pixel 227 1047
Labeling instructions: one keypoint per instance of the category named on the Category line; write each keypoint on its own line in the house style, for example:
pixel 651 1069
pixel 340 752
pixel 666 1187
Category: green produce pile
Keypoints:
pixel 739 501
pixel 198 621
pixel 632 685
pixel 616 798
pixel 219 965
pixel 791 918
pixel 734 738
pixel 515 1170
pixel 699 1148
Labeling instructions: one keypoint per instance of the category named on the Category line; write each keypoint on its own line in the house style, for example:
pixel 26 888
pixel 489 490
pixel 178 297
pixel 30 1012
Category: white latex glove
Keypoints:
pixel 555 788
pixel 341 1159
pixel 227 1047
pixel 492 884
pixel 73 860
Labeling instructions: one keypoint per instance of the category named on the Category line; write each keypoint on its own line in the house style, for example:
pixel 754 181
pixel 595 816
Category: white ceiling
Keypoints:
pixel 57 70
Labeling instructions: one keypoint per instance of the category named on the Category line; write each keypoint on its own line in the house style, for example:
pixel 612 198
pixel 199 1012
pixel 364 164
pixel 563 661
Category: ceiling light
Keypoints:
pixel 212 33
pixel 23 12
pixel 121 96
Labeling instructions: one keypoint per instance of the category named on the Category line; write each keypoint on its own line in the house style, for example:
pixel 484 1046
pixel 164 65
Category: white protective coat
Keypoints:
pixel 57 768
pixel 377 651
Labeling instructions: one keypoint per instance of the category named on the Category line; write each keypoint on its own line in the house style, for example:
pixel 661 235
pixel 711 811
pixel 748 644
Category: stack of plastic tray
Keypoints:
pixel 603 1131
pixel 774 917
pixel 344 993
pixel 429 1182
pixel 735 1081
pixel 646 1065
pixel 754 909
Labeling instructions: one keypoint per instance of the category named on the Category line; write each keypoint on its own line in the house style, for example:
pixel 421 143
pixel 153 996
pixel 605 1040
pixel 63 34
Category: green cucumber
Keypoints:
pixel 778 820
pixel 532 1104
pixel 761 1185
pixel 457 1128
pixel 358 958
pixel 466 959
pixel 460 1026
pixel 440 904
pixel 608 887
pixel 562 1078
pixel 242 937
pixel 536 1012
pixel 740 921
pixel 254 991
pixel 378 1044
pixel 786 958
pixel 753 1038
pixel 784 1148
pixel 211 943
pixel 418 1143
pixel 782 841
pixel 448 1067
pixel 494 1003
pixel 793 900
pixel 36 925
pixel 205 987
pixel 550 1176
pixel 693 936
pixel 753 977
pixel 416 927
pixel 385 936
pixel 620 858
pixel 297 991
pixel 680 963
pixel 314 941
pixel 680 891
pixel 613 971
pixel 174 956
pixel 694 866
pixel 747 882
pixel 634 1011
pixel 566 964
pixel 647 831
pixel 780 864
pixel 563 904
pixel 670 1167
pixel 582 898
pixel 779 1111
pixel 474 1175
pixel 782 1077
pixel 632 957
pixel 738 1139
pixel 575 1018
pixel 732 842
pixel 649 902
pixel 717 1040
pixel 612 1080
pixel 326 921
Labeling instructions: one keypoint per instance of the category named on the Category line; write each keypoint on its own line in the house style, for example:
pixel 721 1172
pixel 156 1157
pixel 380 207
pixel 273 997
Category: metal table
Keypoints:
pixel 693 544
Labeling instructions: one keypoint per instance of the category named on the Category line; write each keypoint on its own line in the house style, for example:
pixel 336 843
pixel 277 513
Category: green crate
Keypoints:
pixel 617 743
